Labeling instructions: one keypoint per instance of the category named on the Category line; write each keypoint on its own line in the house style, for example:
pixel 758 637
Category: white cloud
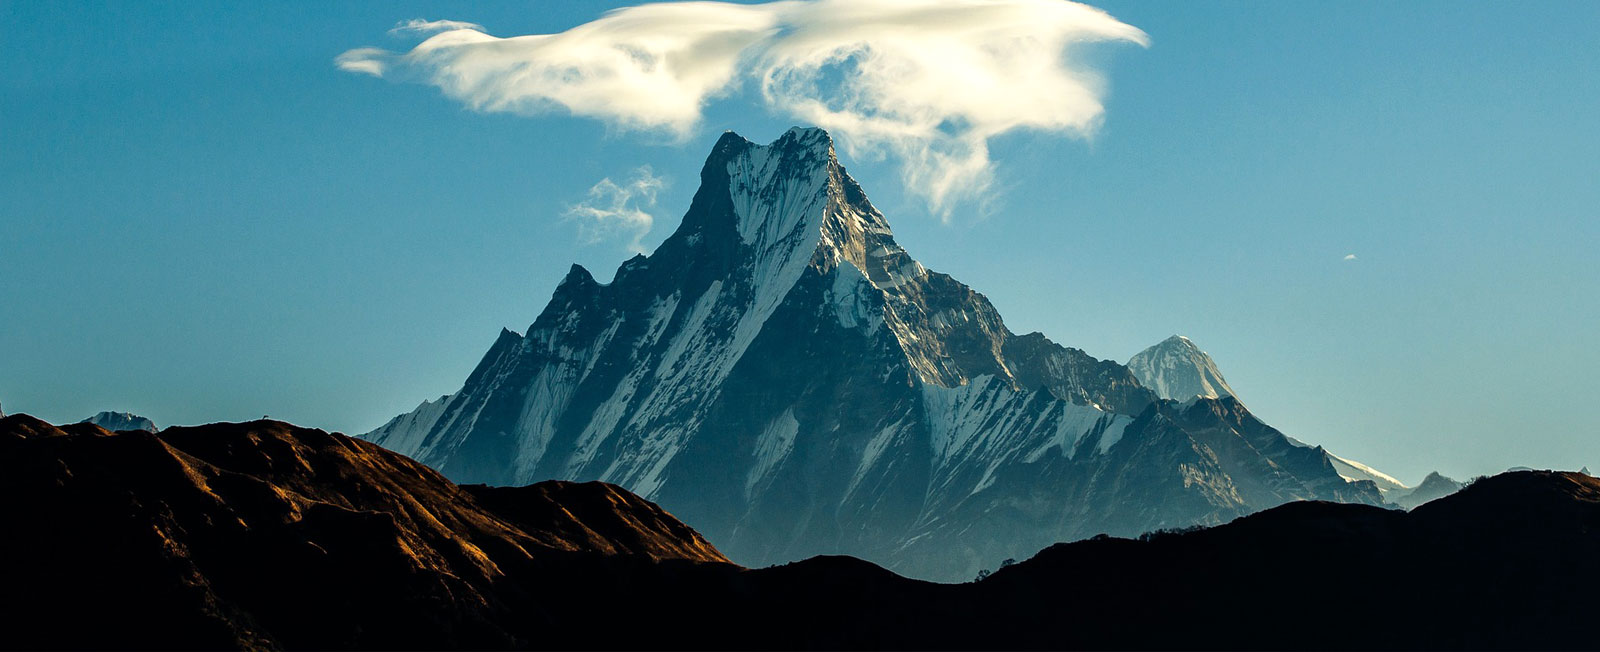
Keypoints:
pixel 363 60
pixel 421 27
pixel 1349 256
pixel 927 82
pixel 614 209
pixel 644 68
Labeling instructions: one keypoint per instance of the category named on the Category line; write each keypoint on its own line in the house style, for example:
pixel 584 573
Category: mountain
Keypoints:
pixel 782 374
pixel 263 535
pixel 1507 563
pixel 1177 369
pixel 1354 471
pixel 1433 487
pixel 115 421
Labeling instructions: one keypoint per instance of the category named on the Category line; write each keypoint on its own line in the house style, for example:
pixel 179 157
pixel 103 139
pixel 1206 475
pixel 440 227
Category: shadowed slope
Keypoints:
pixel 263 535
pixel 596 516
pixel 1510 563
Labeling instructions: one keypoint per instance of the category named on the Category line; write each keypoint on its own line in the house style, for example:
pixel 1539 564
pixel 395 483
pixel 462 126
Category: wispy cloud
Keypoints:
pixel 929 83
pixel 614 209
pixel 422 27
pixel 1349 256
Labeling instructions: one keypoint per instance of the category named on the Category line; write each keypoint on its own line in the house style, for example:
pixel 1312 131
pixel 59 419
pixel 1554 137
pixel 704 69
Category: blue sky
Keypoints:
pixel 202 218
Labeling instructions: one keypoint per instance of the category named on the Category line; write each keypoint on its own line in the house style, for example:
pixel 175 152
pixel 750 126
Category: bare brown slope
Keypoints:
pixel 596 516
pixel 262 534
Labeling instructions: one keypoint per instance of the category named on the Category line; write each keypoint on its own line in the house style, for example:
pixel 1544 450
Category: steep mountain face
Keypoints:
pixel 783 375
pixel 114 421
pixel 1179 370
pixel 264 535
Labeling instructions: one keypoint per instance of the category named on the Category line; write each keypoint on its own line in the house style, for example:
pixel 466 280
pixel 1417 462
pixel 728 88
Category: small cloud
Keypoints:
pixel 1349 256
pixel 420 27
pixel 362 60
pixel 614 209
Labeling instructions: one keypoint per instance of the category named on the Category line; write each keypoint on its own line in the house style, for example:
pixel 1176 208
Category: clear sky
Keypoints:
pixel 203 218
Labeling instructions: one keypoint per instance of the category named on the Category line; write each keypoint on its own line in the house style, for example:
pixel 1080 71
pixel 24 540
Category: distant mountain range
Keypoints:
pixel 1433 487
pixel 263 535
pixel 781 373
pixel 115 421
pixel 1177 369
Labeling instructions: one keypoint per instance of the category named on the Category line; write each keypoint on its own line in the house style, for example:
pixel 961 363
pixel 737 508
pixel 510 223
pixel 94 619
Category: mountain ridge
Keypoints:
pixel 861 403
pixel 1177 369
pixel 263 535
pixel 218 535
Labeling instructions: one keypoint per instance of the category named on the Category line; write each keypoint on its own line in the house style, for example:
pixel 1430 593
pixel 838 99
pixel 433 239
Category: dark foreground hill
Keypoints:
pixel 265 535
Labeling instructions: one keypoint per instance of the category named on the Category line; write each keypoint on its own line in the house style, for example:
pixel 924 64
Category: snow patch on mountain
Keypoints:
pixel 1353 471
pixel 773 446
pixel 986 424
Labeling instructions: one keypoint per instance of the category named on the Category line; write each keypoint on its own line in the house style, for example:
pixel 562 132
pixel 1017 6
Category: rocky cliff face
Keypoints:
pixel 784 376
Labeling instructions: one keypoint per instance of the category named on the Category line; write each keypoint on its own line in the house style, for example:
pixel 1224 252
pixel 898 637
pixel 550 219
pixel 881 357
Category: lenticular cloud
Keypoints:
pixel 927 82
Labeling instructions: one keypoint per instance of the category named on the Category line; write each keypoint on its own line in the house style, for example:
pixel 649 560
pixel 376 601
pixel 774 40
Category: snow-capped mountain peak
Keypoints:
pixel 782 374
pixel 793 204
pixel 779 188
pixel 1177 369
pixel 115 421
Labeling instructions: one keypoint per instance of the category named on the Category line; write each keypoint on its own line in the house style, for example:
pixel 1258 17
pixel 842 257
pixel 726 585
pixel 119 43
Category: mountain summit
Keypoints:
pixel 115 421
pixel 1179 370
pixel 785 377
